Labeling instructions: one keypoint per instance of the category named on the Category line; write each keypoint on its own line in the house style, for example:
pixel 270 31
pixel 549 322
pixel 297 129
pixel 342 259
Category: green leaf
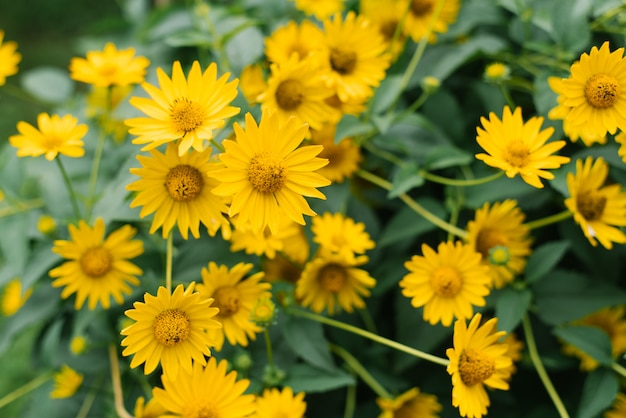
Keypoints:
pixel 309 379
pixel 511 306
pixel 190 38
pixel 351 126
pixel 244 48
pixel 49 84
pixel 592 340
pixel 601 387
pixel 383 122
pixel 406 178
pixel 543 259
pixel 14 245
pixel 40 262
pixel 387 93
pixel 406 223
pixel 570 24
pixel 446 156
pixel 306 338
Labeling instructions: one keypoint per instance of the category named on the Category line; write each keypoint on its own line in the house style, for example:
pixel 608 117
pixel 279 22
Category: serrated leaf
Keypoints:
pixel 306 378
pixel 49 84
pixel 543 259
pixel 306 338
pixel 351 126
pixel 592 340
pixel 446 156
pixel 511 306
pixel 406 178
pixel 601 387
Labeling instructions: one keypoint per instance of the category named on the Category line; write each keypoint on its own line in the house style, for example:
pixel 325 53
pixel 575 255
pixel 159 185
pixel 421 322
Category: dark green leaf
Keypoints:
pixel 446 156
pixel 387 93
pixel 406 223
pixel 511 306
pixel 309 379
pixel 543 259
pixel 592 340
pixel 406 178
pixel 306 338
pixel 599 392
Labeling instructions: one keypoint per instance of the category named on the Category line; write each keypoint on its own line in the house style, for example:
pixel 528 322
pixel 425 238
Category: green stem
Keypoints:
pixel 348 412
pixel 21 207
pixel 419 209
pixel 89 400
pixel 398 31
pixel 619 369
pixel 95 167
pixel 361 371
pixel 541 371
pixel 268 348
pixel 368 320
pixel 70 189
pixel 117 384
pixel 370 335
pixel 169 253
pixel 507 95
pixel 28 387
pixel 557 217
pixel 460 182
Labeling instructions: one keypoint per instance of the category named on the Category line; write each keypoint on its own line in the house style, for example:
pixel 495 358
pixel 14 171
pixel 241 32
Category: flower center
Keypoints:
pixel 411 409
pixel 289 95
pixel 446 281
pixel 184 182
pixel 388 29
pixel 475 367
pixel 590 205
pixel 487 239
pixel 52 142
pixel 516 153
pixel 332 277
pixel 200 409
pixel 499 255
pixel 108 70
pixel 421 7
pixel 299 49
pixel 602 90
pixel 171 327
pixel 186 115
pixel 342 61
pixel 266 174
pixel 227 299
pixel 96 262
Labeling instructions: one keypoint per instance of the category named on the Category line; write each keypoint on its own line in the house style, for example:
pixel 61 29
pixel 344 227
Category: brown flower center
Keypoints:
pixel 96 262
pixel 388 29
pixel 186 116
pixel 487 239
pixel 265 174
pixel 342 61
pixel 289 95
pixel 516 153
pixel 171 327
pixel 446 281
pixel 421 7
pixel 200 409
pixel 475 367
pixel 184 182
pixel 590 205
pixel 602 90
pixel 332 277
pixel 227 299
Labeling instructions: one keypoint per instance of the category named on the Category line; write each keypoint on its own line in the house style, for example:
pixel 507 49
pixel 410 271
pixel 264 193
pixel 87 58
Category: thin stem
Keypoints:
pixel 20 207
pixel 70 189
pixel 419 209
pixel 28 387
pixel 386 155
pixel 368 320
pixel 361 371
pixel 95 167
pixel 117 384
pixel 398 31
pixel 348 412
pixel 168 261
pixel 460 182
pixel 89 400
pixel 619 369
pixel 370 335
pixel 541 371
pixel 268 348
pixel 507 95
pixel 557 217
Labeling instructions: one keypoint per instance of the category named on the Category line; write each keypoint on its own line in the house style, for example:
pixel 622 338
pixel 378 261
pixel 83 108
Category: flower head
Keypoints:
pixel 343 157
pixel 46 224
pixel 266 243
pixel 53 135
pixel 291 39
pixel 497 72
pixel 150 409
pixel 109 67
pixel 97 268
pixel 519 147
pixel 13 298
pixel 386 15
pixel 66 382
pixel 263 312
pixel 280 403
pixel 422 12
pixel 78 345
pixel 321 9
pixel 9 58
pixel 337 233
pixel 411 403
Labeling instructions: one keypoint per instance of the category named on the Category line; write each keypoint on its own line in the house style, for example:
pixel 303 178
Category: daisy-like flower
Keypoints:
pixel 447 283
pixel 66 382
pixel 264 242
pixel 150 409
pixel 177 190
pixel 477 360
pixel 109 67
pixel 235 296
pixel 618 409
pixel 321 9
pixel 500 236
pixel 298 88
pixel 13 298
pixel 421 13
pixel 519 147
pixel 267 173
pixel 335 232
pixel 280 403
pixel 386 15
pixel 171 329
pixel 98 268
pixel 183 109
pixel 611 320
pixel 598 209
pixel 53 136
pixel 9 58
pixel 343 157
pixel 294 39
pixel 593 91
pixel 205 392
pixel 411 403
pixel 333 279
pixel 620 139
pixel 356 55
pixel 252 82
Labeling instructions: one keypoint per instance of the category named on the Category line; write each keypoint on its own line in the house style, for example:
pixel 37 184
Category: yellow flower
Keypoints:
pixel 386 15
pixel 519 148
pixel 514 351
pixel 620 138
pixel 66 382
pixel 497 71
pixel 333 279
pixel 235 297
pixel 267 174
pixel 356 55
pixel 447 283
pixel 177 189
pixel 171 329
pixel 109 67
pixel 592 94
pixel 337 233
pixel 343 157
pixel 13 298
pixel 611 320
pixel 291 38
pixel 9 58
pixel 46 224
pixel 102 100
pixel 78 345
pixel 54 135
pixel 263 312
pixel 321 9
pixel 411 403
pixel 264 242
pixel 252 82
pixel 275 403
pixel 500 226
pixel 598 209
pixel 184 109
pixel 477 360
pixel 205 392
pixel 421 13
pixel 151 409
pixel 98 268
pixel 618 409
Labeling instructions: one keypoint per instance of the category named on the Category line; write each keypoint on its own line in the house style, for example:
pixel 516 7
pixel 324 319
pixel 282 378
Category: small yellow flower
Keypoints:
pixel 9 58
pixel 78 345
pixel 497 71
pixel 46 224
pixel 13 298
pixel 421 13
pixel 263 312
pixel 301 40
pixel 411 403
pixel 274 403
pixel 150 409
pixel 66 383
pixel 335 233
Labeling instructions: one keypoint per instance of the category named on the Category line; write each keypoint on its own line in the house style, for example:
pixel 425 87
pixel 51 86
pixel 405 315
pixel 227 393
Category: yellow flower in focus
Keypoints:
pixel 321 9
pixel 46 224
pixel 267 173
pixel 171 329
pixel 519 147
pixel 343 157
pixel 98 268
pixel 337 233
pixel 618 410
pixel 109 67
pixel 275 403
pixel 598 209
pixel 9 58
pixel 78 345
pixel 292 38
pixel 411 403
pixel 150 409
pixel 620 138
pixel 66 383
pixel 386 15
pixel 447 283
pixel 333 279
pixel 205 392
pixel 252 82
pixel 235 296
pixel 610 320
pixel 13 298
pixel 477 360
pixel 182 109
pixel 53 135
pixel 500 225
pixel 264 243
pixel 421 13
